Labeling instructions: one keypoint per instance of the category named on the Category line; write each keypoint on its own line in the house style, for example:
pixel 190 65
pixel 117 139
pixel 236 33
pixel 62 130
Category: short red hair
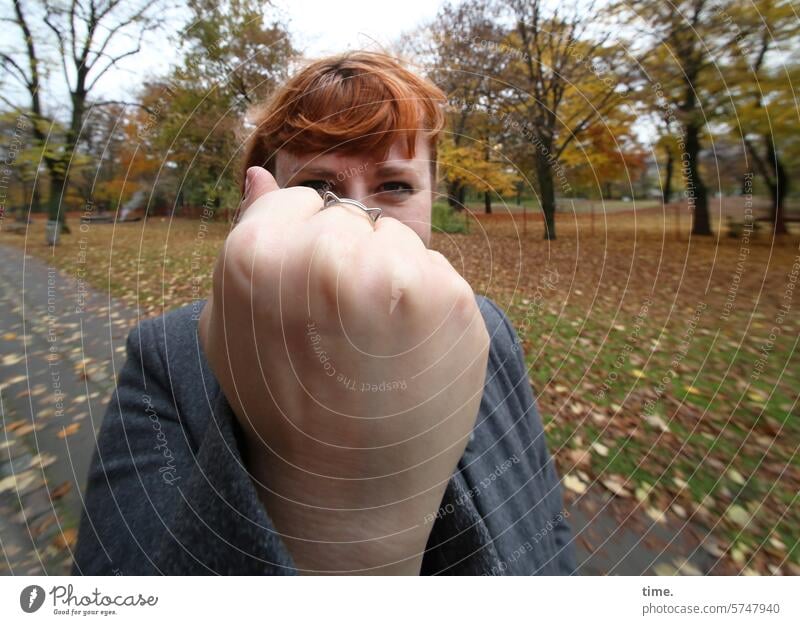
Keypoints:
pixel 355 102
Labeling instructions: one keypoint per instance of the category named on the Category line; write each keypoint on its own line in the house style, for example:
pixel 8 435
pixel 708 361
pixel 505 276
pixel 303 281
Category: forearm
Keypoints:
pixel 332 525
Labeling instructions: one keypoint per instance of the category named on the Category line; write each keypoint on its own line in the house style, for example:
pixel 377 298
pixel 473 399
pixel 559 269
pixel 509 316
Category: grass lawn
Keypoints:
pixel 666 366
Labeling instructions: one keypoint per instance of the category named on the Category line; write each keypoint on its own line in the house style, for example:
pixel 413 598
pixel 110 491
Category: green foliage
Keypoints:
pixel 444 219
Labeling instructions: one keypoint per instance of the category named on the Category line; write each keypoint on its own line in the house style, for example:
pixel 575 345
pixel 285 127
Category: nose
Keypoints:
pixel 354 188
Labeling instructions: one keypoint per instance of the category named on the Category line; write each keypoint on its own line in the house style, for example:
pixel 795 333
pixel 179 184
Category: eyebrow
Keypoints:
pixel 384 169
pixel 395 169
pixel 313 171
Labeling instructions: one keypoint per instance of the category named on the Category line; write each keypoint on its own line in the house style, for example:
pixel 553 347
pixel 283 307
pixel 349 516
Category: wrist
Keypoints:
pixel 334 526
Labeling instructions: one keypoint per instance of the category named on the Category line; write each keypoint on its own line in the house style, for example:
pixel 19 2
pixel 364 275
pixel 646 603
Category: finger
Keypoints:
pixel 440 259
pixel 339 218
pixel 390 265
pixel 394 232
pixel 283 207
pixel 257 182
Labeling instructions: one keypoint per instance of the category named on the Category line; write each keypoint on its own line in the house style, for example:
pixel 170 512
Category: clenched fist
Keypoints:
pixel 354 358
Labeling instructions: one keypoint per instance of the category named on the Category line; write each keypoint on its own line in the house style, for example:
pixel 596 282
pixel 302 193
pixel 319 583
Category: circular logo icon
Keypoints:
pixel 31 598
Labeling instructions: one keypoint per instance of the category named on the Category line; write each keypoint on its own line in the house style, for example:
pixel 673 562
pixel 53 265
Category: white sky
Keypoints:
pixel 328 27
pixel 317 28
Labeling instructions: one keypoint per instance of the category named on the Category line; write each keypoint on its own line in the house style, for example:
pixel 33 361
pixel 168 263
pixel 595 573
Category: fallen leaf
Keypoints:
pixel 69 430
pixel 62 489
pixel 574 483
pixel 657 422
pixel 42 461
pixel 736 477
pixel 738 515
pixel 664 569
pixel 18 482
pixel 66 539
pixel 28 428
pixel 616 485
pixel 712 547
pixel 12 359
pixel 15 425
pixel 579 457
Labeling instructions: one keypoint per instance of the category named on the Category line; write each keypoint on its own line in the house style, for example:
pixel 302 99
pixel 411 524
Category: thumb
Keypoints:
pixel 257 182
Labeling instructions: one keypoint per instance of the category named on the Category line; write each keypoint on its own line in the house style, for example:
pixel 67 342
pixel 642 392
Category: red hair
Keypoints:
pixel 356 102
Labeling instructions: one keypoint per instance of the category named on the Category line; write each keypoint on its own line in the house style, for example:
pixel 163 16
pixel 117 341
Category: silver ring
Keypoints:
pixel 329 199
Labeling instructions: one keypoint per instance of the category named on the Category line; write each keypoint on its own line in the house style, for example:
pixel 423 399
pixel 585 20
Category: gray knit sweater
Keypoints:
pixel 168 492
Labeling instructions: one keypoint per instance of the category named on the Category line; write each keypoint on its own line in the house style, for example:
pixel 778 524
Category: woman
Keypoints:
pixel 343 402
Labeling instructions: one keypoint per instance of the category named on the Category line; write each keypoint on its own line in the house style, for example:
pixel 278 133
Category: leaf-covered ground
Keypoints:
pixel 666 366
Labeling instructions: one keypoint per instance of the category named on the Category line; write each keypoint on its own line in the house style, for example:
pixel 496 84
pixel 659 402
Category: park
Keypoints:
pixel 628 202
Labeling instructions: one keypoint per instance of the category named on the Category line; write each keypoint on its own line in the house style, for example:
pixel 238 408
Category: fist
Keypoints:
pixel 354 359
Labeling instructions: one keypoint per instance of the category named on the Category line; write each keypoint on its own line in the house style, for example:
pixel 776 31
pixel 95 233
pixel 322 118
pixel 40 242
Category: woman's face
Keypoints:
pixel 398 185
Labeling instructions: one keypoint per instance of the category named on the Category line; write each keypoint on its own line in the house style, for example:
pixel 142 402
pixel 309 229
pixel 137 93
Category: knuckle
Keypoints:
pixel 463 298
pixel 304 195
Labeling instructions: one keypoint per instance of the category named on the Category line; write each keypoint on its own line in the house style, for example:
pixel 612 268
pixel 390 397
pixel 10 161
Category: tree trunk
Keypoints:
pixel 778 186
pixel 455 195
pixel 696 193
pixel 547 196
pixel 667 186
pixel 487 202
pixel 55 210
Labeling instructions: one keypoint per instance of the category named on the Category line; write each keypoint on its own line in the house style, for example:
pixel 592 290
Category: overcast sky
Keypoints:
pixel 317 28
pixel 323 28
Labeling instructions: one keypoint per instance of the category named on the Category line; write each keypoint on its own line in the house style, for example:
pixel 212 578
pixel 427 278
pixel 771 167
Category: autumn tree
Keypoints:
pixel 681 47
pixel 762 110
pixel 232 59
pixel 85 39
pixel 607 155
pixel 466 62
pixel 562 78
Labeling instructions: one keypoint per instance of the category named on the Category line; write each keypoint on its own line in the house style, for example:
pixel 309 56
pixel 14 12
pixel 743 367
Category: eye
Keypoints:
pixel 396 188
pixel 320 186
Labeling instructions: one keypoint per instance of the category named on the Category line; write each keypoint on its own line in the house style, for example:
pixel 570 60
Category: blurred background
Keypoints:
pixel 620 177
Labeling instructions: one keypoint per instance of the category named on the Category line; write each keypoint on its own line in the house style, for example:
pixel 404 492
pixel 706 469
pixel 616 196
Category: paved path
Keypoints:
pixel 61 346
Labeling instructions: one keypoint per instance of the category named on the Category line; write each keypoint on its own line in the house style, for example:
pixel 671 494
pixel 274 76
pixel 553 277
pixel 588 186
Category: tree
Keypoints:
pixel 607 153
pixel 466 64
pixel 232 61
pixel 466 164
pixel 764 116
pixel 685 44
pixel 20 159
pixel 561 83
pixel 89 38
pixel 666 146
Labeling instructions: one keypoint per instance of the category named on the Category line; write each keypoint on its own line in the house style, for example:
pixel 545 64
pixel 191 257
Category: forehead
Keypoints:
pixel 287 164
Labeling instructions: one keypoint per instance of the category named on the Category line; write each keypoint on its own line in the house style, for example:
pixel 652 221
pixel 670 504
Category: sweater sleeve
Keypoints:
pixel 158 502
pixel 562 559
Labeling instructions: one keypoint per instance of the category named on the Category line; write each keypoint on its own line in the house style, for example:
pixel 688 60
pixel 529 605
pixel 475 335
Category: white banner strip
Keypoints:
pixel 406 601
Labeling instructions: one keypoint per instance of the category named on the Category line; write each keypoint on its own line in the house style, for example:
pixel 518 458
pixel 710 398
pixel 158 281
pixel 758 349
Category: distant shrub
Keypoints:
pixel 444 219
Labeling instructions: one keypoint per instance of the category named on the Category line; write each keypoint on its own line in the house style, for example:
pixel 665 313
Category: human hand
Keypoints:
pixel 354 358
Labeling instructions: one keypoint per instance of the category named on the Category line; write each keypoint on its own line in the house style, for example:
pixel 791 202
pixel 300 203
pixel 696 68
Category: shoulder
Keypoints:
pixel 500 329
pixel 168 351
pixel 504 352
pixel 179 326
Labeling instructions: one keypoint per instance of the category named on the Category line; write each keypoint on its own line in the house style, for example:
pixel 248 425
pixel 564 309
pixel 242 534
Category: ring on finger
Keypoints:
pixel 329 199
